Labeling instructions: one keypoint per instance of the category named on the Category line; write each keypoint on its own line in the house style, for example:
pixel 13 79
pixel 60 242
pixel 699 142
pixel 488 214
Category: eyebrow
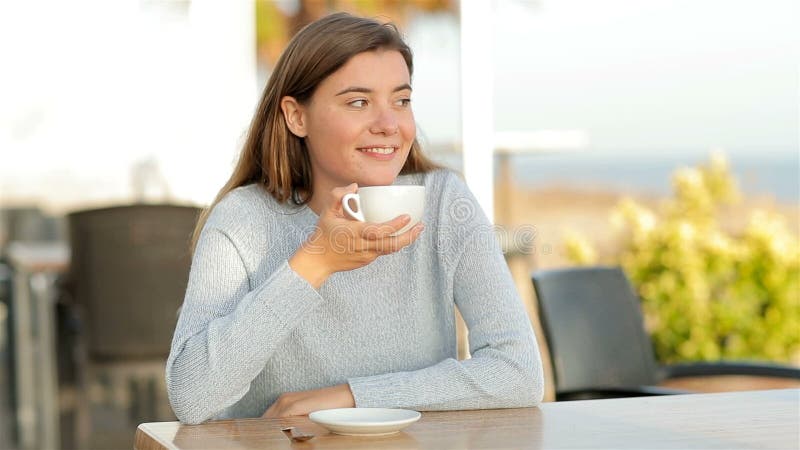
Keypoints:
pixel 364 90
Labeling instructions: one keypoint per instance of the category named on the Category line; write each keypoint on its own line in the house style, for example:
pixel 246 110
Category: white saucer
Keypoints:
pixel 364 421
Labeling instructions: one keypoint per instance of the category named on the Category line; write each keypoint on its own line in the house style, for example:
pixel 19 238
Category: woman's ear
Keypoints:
pixel 294 115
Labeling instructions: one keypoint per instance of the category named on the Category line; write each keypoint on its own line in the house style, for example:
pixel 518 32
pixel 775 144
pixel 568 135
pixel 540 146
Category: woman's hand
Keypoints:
pixel 340 243
pixel 304 402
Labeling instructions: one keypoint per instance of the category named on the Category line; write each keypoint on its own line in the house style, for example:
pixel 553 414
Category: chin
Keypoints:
pixel 378 179
pixel 373 182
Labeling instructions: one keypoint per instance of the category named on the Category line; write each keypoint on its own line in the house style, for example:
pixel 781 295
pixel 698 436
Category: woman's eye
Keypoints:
pixel 358 103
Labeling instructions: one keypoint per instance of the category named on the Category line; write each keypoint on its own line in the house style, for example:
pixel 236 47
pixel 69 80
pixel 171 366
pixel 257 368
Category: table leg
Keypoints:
pixel 24 361
pixel 47 376
pixel 35 369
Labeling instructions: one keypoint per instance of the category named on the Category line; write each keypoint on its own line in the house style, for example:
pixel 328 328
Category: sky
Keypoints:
pixel 662 74
pixel 91 88
pixel 658 75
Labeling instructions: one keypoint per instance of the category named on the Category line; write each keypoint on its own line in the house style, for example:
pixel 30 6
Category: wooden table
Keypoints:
pixel 754 419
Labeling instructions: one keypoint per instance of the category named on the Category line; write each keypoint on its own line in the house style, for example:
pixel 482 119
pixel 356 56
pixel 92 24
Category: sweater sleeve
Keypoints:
pixel 505 370
pixel 227 329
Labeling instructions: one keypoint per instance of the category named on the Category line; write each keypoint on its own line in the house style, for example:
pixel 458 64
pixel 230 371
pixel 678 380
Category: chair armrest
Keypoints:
pixel 616 392
pixel 730 368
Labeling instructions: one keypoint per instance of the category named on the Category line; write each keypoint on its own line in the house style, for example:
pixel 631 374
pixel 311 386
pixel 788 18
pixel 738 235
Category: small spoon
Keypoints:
pixel 296 435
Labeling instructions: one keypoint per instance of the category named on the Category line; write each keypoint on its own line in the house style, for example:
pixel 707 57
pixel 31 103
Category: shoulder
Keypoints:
pixel 451 197
pixel 452 212
pixel 242 208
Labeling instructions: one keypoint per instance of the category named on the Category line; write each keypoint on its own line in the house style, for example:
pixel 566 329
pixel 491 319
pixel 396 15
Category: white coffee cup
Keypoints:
pixel 383 203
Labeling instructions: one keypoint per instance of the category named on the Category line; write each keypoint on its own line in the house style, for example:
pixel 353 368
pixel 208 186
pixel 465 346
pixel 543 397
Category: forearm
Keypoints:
pixel 488 380
pixel 213 361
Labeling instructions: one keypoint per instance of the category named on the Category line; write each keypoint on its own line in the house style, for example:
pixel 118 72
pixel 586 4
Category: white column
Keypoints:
pixel 477 100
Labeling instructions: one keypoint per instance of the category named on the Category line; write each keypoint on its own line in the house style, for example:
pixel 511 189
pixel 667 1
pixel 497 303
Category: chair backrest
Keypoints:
pixel 128 274
pixel 594 328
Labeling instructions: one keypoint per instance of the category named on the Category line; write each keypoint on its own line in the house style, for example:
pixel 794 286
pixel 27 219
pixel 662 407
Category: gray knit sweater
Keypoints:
pixel 251 328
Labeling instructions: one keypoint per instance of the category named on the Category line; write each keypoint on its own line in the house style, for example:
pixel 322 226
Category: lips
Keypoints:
pixel 381 152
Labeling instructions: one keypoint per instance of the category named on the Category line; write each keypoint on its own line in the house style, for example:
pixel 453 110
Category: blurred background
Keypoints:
pixel 660 136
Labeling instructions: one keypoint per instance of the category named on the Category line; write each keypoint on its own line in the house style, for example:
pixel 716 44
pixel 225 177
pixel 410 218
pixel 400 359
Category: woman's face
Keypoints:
pixel 358 124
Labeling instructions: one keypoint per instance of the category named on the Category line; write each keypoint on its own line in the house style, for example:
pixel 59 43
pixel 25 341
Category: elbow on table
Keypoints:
pixel 184 402
pixel 189 419
pixel 527 388
pixel 536 394
pixel 528 393
pixel 515 382
pixel 186 410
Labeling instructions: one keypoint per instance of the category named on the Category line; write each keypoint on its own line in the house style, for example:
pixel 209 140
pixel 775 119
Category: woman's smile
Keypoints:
pixel 380 152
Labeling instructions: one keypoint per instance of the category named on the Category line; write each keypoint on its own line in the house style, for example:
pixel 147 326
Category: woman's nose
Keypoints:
pixel 385 123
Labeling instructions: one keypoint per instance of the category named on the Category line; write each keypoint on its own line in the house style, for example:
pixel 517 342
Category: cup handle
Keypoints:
pixel 358 215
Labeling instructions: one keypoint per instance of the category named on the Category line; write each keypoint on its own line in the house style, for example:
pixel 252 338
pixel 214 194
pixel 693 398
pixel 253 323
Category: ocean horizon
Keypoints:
pixel 773 174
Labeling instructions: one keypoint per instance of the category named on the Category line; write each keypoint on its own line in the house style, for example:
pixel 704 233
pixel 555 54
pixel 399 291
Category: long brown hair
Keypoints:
pixel 275 157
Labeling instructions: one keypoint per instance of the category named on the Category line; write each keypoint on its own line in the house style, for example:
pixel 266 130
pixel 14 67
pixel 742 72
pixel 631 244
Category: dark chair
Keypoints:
pixel 128 275
pixel 598 345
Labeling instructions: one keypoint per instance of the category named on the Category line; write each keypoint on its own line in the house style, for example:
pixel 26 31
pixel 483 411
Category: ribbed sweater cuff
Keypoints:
pixel 369 392
pixel 296 297
pixel 400 389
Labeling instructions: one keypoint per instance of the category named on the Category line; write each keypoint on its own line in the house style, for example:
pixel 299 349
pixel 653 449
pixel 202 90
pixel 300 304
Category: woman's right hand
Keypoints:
pixel 340 243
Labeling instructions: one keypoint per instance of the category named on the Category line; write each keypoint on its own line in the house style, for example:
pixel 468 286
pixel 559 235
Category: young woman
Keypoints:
pixel 293 307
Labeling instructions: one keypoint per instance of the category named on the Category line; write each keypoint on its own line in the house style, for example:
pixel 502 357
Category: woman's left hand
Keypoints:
pixel 304 402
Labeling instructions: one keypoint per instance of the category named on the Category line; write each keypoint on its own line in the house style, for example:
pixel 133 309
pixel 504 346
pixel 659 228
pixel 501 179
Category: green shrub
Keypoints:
pixel 706 293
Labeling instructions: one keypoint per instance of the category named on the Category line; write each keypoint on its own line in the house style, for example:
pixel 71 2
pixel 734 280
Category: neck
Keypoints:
pixel 318 202
pixel 320 198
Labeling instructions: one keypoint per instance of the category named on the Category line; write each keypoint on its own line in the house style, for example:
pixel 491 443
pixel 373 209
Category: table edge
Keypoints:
pixel 141 434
